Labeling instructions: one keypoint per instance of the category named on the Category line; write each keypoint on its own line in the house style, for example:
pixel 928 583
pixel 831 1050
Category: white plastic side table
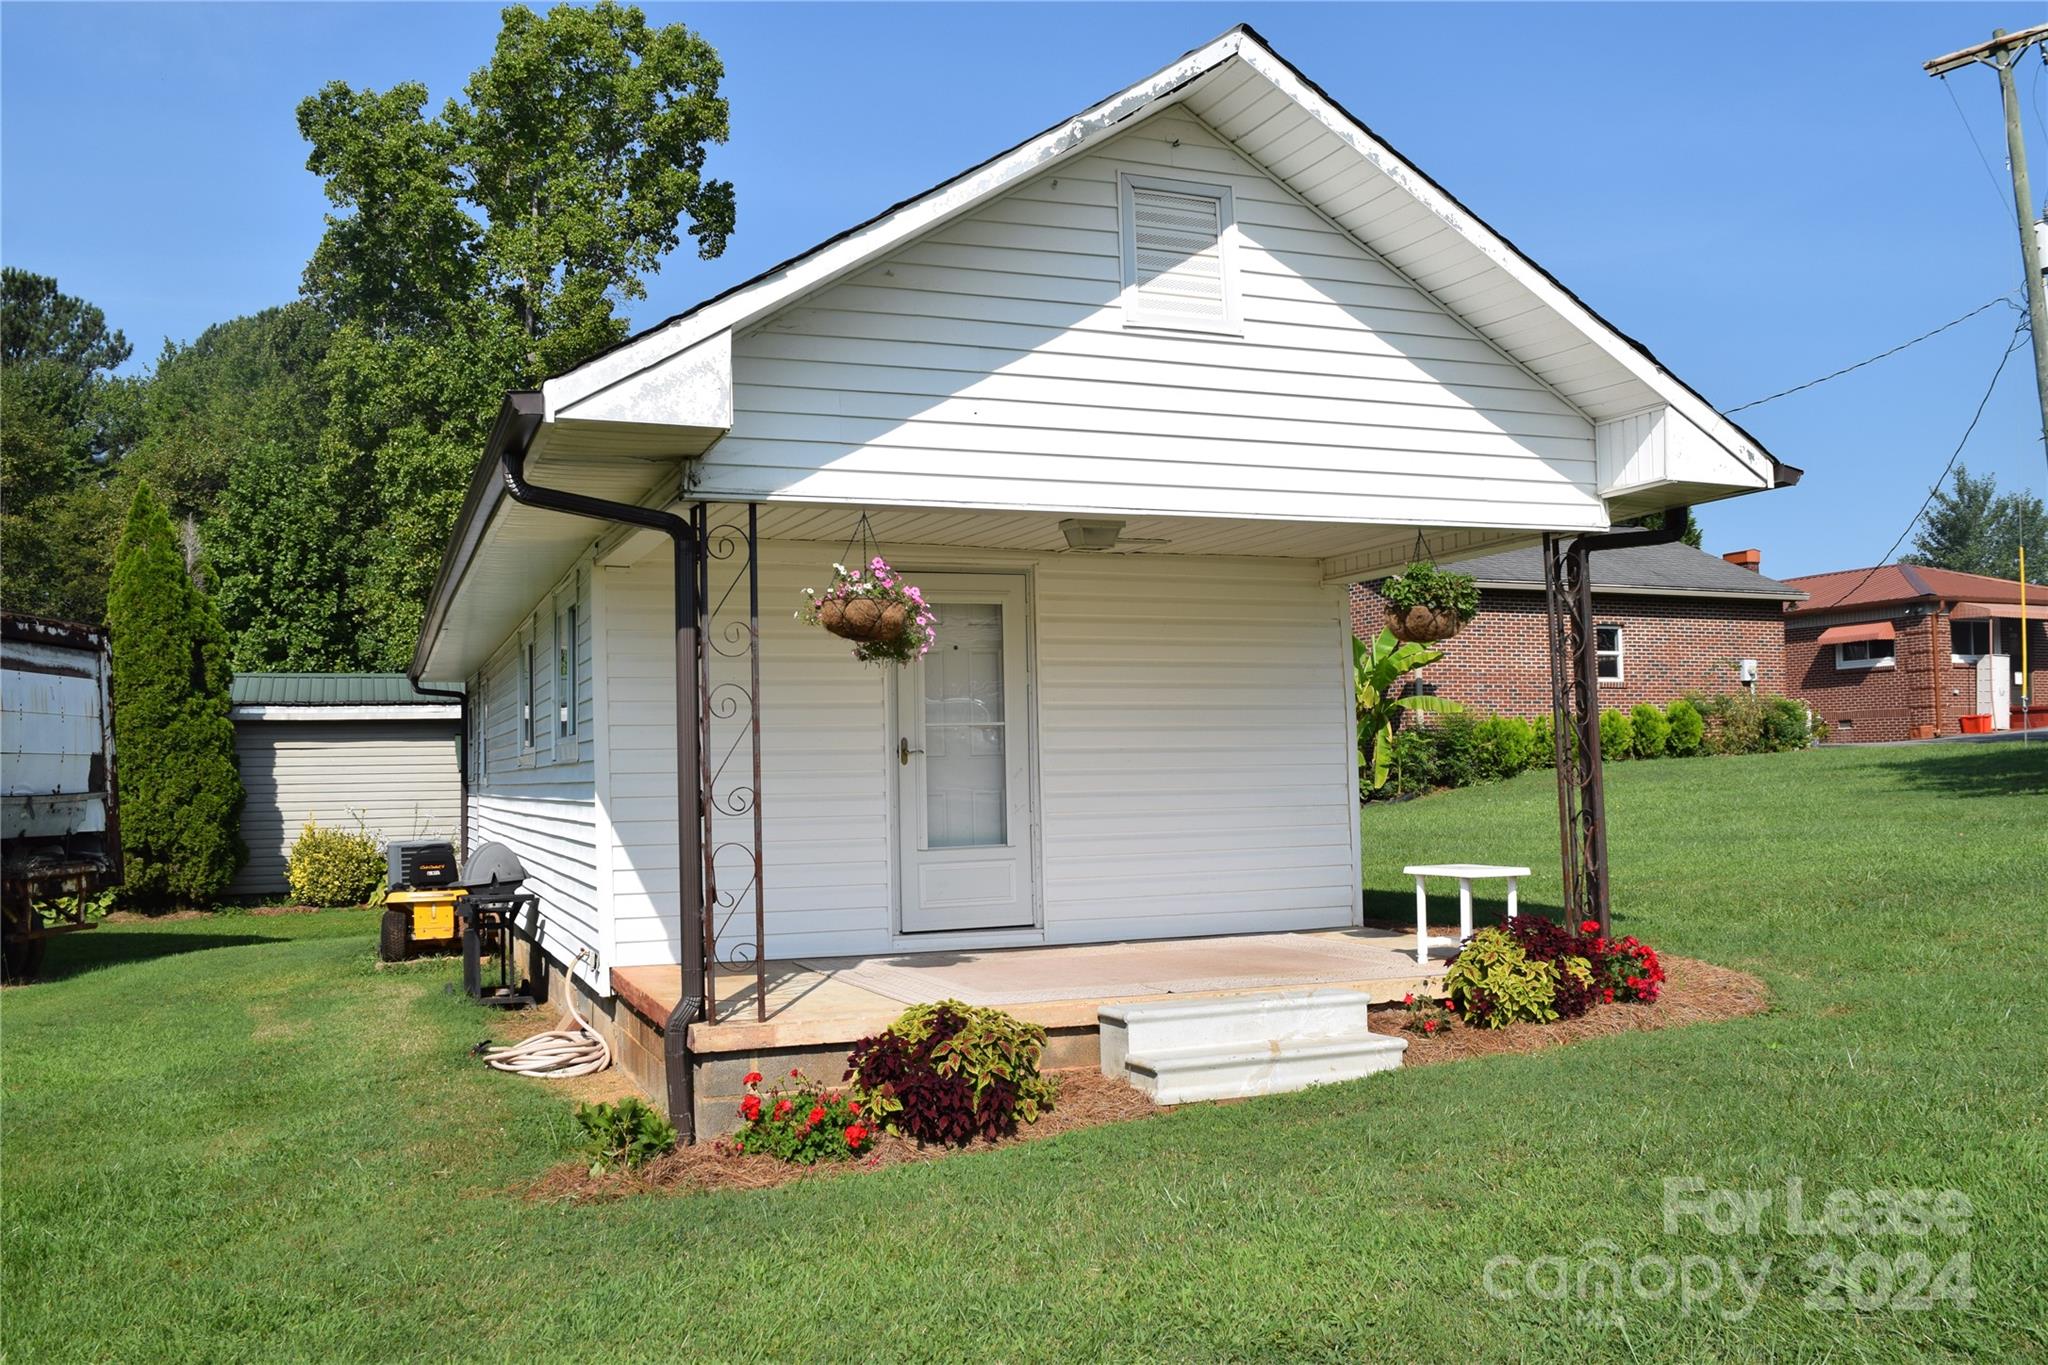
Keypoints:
pixel 1466 874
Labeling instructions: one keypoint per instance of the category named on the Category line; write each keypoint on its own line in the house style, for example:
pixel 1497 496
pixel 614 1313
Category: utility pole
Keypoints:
pixel 2002 53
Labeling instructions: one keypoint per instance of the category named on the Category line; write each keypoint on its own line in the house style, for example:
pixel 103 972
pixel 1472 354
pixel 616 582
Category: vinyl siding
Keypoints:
pixel 393 779
pixel 1195 768
pixel 988 365
pixel 541 801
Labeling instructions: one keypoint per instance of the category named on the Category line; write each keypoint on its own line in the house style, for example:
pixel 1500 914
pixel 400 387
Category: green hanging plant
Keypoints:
pixel 1425 603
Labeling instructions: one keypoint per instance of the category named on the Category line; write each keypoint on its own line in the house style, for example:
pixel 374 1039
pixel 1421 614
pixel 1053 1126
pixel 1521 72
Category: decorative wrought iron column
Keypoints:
pixel 1575 708
pixel 729 726
pixel 1575 727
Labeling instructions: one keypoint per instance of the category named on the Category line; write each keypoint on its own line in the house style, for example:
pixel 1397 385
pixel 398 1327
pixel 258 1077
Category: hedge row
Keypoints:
pixel 1462 750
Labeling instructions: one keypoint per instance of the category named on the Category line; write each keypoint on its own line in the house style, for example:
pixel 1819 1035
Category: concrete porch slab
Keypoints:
pixel 826 1002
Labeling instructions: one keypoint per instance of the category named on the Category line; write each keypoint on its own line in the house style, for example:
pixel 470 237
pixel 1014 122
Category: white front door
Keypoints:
pixel 963 762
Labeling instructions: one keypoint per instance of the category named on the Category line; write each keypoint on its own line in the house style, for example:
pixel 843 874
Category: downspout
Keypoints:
pixel 526 412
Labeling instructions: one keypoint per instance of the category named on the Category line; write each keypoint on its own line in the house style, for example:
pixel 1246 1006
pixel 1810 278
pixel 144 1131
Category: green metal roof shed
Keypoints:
pixel 354 751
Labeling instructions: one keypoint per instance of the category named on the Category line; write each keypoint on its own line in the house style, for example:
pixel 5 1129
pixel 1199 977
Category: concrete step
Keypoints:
pixel 1236 1070
pixel 1155 1027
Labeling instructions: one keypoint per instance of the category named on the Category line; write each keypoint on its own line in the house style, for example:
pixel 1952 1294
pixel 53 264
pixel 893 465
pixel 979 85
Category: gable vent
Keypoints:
pixel 1177 255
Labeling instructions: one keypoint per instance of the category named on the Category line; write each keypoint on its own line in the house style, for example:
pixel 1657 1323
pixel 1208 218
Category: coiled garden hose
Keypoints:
pixel 571 1048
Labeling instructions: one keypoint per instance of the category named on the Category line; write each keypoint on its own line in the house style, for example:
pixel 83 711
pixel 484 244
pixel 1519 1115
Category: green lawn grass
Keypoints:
pixel 235 1138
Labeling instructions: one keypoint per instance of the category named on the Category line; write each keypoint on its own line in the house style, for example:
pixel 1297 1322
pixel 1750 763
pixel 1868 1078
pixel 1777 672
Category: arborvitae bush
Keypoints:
pixel 1617 734
pixel 1651 731
pixel 181 789
pixel 1506 746
pixel 1688 732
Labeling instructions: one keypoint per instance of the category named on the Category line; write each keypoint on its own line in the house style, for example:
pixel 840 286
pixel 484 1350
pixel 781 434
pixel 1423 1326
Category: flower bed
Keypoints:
pixel 1536 970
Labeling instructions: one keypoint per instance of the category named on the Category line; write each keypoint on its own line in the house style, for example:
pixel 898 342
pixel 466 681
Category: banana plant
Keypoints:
pixel 1380 666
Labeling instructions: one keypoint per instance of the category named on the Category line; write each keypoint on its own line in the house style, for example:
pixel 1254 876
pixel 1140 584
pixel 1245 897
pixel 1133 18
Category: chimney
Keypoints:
pixel 1752 560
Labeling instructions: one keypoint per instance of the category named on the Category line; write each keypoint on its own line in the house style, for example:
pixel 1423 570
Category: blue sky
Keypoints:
pixel 1759 193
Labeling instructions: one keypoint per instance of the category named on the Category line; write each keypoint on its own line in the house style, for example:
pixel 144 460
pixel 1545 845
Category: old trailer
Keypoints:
pixel 60 829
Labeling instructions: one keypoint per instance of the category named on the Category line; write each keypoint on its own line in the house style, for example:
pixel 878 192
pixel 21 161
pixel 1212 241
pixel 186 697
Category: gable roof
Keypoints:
pixel 1892 583
pixel 326 689
pixel 1676 568
pixel 1329 160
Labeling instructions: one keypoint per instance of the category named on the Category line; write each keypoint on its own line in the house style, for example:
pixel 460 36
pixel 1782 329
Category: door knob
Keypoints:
pixel 904 751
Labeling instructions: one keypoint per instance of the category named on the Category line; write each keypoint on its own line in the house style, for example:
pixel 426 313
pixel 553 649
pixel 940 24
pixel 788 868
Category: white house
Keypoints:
pixel 1214 317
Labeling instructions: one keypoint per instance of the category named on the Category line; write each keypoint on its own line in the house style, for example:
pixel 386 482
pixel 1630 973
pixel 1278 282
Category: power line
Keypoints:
pixel 1846 369
pixel 1997 193
pixel 2012 344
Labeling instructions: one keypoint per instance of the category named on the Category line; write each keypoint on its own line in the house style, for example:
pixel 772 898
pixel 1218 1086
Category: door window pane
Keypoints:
pixel 966 795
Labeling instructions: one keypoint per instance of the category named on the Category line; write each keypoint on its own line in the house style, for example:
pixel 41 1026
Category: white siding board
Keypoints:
pixel 1195 774
pixel 391 779
pixel 961 370
pixel 541 802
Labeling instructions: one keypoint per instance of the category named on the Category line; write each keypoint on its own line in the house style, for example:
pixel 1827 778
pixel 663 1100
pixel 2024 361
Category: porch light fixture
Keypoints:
pixel 1090 533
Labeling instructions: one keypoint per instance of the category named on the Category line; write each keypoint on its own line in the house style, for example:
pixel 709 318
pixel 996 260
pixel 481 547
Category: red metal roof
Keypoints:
pixel 1904 583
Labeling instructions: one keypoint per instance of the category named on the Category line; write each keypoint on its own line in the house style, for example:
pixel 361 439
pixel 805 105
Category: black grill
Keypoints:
pixel 490 914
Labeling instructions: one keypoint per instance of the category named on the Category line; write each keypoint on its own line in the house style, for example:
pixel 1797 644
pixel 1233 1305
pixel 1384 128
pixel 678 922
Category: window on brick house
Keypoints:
pixel 1607 651
pixel 1969 641
pixel 1865 654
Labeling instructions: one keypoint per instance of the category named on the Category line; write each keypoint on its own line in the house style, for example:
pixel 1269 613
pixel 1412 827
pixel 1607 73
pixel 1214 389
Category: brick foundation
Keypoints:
pixel 720 1077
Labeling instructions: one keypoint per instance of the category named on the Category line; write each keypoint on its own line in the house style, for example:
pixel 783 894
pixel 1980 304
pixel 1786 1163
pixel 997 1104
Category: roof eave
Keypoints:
pixel 519 416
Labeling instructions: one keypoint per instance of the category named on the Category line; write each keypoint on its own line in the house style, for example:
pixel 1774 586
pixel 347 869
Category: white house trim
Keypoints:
pixel 425 711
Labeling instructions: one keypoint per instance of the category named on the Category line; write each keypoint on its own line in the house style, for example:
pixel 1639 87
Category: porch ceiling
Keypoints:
pixel 1345 550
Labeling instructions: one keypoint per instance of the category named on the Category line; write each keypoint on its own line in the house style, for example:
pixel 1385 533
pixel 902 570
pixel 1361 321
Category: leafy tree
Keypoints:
pixel 250 381
pixel 181 792
pixel 56 518
pixel 282 555
pixel 485 247
pixel 1971 527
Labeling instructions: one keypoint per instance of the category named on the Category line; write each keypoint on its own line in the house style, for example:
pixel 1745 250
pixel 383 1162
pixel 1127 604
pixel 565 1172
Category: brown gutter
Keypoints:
pixel 511 459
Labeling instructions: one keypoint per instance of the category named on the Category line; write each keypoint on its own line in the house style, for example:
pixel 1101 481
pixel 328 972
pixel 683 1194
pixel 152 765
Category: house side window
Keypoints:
pixel 1607 652
pixel 529 692
pixel 1177 255
pixel 1865 654
pixel 565 671
pixel 1969 641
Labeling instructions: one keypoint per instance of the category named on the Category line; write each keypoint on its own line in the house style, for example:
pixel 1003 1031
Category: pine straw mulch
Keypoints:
pixel 1086 1099
pixel 1694 993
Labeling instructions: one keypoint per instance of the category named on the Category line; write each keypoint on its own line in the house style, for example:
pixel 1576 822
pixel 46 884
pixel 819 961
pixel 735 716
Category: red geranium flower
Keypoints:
pixel 1591 926
pixel 1429 1026
pixel 796 1074
pixel 783 1108
pixel 853 1107
pixel 855 1135
pixel 750 1108
pixel 817 1114
pixel 1408 999
pixel 753 1078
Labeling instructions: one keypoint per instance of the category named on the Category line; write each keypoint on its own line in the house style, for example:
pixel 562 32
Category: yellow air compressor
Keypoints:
pixel 419 902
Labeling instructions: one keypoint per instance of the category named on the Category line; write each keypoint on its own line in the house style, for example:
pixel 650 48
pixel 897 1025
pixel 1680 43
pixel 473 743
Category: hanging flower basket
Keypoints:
pixel 1426 604
pixel 1423 625
pixel 887 620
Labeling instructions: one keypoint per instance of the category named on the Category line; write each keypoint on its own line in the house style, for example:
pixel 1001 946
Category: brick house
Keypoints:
pixel 1896 652
pixel 1672 620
